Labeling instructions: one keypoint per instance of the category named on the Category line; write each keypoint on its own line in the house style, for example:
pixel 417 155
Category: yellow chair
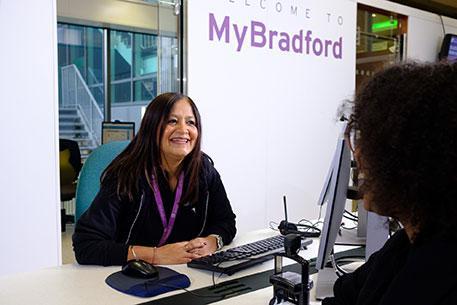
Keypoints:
pixel 70 165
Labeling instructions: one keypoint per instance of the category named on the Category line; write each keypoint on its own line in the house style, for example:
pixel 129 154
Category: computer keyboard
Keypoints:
pixel 242 257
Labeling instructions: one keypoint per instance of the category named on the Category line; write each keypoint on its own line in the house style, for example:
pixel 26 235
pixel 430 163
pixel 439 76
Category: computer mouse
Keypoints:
pixel 139 269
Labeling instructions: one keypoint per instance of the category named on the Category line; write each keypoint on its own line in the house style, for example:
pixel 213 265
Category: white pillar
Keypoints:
pixel 29 188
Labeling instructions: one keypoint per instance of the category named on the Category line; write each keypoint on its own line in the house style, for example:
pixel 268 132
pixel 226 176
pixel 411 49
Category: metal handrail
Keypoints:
pixel 76 93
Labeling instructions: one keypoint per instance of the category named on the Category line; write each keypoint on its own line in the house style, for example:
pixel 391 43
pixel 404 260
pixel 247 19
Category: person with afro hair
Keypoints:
pixel 403 132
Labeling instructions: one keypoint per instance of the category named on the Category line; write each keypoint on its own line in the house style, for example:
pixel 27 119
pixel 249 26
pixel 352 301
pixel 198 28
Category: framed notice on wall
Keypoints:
pixel 117 131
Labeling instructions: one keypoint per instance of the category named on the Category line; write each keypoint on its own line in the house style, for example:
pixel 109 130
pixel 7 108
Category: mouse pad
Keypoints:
pixel 168 280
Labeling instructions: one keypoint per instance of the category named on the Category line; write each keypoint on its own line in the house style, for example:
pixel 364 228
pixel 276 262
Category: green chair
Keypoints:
pixel 89 179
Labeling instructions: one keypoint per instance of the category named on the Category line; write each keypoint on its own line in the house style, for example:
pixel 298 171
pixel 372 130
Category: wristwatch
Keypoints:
pixel 219 241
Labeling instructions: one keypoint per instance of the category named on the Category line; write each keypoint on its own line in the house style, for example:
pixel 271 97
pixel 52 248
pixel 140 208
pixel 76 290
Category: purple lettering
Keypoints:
pixel 240 37
pixel 272 34
pixel 260 33
pixel 317 47
pixel 338 48
pixel 297 42
pixel 327 44
pixel 308 40
pixel 225 28
pixel 284 42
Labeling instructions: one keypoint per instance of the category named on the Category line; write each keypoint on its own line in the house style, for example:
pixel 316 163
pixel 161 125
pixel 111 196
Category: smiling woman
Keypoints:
pixel 161 200
pixel 179 136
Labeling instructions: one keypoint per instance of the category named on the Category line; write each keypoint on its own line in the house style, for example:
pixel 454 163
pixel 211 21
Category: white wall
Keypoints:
pixel 269 116
pixel 29 195
pixel 425 32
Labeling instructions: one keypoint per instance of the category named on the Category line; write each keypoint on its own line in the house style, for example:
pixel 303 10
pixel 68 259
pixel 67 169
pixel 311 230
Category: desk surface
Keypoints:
pixel 76 284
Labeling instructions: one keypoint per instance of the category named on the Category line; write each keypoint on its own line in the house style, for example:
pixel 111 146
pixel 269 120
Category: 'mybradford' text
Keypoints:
pixel 257 35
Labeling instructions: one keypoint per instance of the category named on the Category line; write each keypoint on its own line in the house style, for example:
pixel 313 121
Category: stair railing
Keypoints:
pixel 75 93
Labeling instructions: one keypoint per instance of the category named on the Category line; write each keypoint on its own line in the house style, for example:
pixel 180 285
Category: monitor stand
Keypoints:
pixel 324 283
pixel 350 238
pixel 355 237
pixel 377 233
pixel 371 232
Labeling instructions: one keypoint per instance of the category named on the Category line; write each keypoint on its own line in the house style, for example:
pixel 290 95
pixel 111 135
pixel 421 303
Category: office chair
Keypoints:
pixel 70 165
pixel 89 179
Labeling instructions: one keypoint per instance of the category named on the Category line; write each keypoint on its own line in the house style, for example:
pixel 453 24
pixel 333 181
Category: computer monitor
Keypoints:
pixel 449 48
pixel 334 193
pixel 117 131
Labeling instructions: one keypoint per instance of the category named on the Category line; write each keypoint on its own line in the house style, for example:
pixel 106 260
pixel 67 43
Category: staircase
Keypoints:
pixel 71 126
pixel 80 116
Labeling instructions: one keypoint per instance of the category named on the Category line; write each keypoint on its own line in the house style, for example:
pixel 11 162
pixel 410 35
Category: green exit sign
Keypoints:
pixel 384 25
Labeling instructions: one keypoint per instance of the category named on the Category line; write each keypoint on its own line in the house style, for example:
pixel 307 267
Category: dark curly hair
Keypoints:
pixel 406 119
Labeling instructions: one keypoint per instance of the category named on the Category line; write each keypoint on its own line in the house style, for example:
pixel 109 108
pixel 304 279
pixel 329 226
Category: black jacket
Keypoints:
pixel 423 273
pixel 104 232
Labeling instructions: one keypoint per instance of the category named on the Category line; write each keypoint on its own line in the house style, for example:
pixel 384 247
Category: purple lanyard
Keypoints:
pixel 167 225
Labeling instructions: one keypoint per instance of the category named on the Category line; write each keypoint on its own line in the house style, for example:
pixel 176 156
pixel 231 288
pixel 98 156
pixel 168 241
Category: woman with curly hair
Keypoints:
pixel 404 136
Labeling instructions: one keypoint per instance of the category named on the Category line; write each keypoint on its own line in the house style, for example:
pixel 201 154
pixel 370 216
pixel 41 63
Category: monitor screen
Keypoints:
pixel 334 193
pixel 117 131
pixel 449 48
pixel 452 52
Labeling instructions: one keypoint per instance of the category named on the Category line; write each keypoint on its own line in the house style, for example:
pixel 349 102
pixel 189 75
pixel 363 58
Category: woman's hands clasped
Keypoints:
pixel 177 253
pixel 184 252
pixel 202 246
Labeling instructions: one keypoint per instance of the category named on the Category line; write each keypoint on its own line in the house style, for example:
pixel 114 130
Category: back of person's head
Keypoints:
pixel 142 156
pixel 406 118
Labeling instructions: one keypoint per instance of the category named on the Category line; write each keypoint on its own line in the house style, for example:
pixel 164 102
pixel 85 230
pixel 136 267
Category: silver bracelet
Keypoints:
pixel 133 252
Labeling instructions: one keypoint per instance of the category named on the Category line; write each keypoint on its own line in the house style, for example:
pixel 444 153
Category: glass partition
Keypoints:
pixel 133 67
pixel 380 41
pixel 112 66
pixel 141 66
pixel 82 46
pixel 168 47
pixel 145 67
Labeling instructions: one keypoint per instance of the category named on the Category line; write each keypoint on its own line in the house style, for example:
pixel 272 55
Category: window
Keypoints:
pixel 135 68
pixel 82 47
pixel 134 64
pixel 380 41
